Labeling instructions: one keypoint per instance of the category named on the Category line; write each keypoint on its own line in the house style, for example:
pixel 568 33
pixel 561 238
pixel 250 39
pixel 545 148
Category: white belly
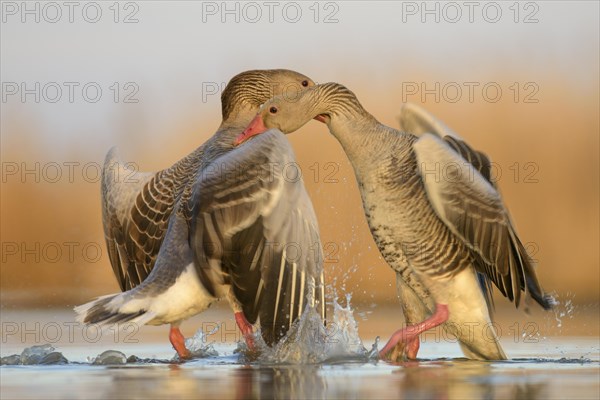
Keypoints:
pixel 186 298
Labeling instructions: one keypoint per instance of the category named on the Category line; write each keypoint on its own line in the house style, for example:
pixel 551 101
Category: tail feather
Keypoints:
pixel 105 310
pixel 529 280
pixel 547 301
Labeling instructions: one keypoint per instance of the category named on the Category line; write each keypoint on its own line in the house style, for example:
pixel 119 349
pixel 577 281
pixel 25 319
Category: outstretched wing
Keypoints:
pixel 473 210
pixel 414 119
pixel 136 207
pixel 253 226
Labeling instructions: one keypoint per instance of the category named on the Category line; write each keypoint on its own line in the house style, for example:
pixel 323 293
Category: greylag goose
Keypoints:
pixel 437 219
pixel 218 223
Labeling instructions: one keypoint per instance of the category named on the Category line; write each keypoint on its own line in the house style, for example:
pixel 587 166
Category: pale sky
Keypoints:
pixel 178 52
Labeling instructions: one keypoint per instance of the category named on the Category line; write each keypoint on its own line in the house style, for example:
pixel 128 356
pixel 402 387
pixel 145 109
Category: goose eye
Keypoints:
pixel 305 83
pixel 273 110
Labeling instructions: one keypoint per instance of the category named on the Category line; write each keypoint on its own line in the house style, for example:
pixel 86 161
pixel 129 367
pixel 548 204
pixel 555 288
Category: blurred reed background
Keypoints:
pixel 542 132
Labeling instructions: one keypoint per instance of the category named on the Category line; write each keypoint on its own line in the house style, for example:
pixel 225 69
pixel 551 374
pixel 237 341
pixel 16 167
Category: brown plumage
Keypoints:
pixel 176 244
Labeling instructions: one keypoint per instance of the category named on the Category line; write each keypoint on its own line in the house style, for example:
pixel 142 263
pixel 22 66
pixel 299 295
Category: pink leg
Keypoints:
pixel 412 348
pixel 412 332
pixel 178 342
pixel 246 329
pixel 403 351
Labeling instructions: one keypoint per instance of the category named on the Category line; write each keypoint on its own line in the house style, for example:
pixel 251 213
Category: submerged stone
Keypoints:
pixel 110 357
pixel 15 359
pixel 133 359
pixel 54 358
pixel 35 354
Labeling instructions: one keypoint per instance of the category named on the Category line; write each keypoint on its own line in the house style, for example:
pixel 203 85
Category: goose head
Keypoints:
pixel 325 103
pixel 248 90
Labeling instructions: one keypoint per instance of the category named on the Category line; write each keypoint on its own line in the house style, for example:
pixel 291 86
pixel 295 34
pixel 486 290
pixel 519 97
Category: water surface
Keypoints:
pixel 547 367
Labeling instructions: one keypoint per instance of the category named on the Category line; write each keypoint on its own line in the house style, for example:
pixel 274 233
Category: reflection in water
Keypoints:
pixel 464 379
pixel 448 379
pixel 566 374
pixel 296 382
pixel 436 380
pixel 243 382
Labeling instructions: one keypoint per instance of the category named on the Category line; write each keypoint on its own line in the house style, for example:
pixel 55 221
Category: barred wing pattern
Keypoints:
pixel 473 210
pixel 253 226
pixel 417 121
pixel 136 207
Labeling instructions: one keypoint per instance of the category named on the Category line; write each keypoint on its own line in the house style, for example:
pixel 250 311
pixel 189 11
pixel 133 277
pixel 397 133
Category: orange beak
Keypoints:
pixel 256 127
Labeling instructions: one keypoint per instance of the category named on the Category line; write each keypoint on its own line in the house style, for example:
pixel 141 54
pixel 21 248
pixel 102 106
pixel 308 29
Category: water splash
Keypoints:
pixel 531 336
pixel 343 279
pixel 199 346
pixel 564 309
pixel 309 341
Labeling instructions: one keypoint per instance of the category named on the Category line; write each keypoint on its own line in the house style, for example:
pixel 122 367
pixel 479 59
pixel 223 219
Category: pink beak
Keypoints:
pixel 256 127
pixel 321 118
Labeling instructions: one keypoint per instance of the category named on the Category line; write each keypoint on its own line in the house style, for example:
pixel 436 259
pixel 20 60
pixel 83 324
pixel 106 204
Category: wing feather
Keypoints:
pixel 265 229
pixel 416 120
pixel 473 210
pixel 136 207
